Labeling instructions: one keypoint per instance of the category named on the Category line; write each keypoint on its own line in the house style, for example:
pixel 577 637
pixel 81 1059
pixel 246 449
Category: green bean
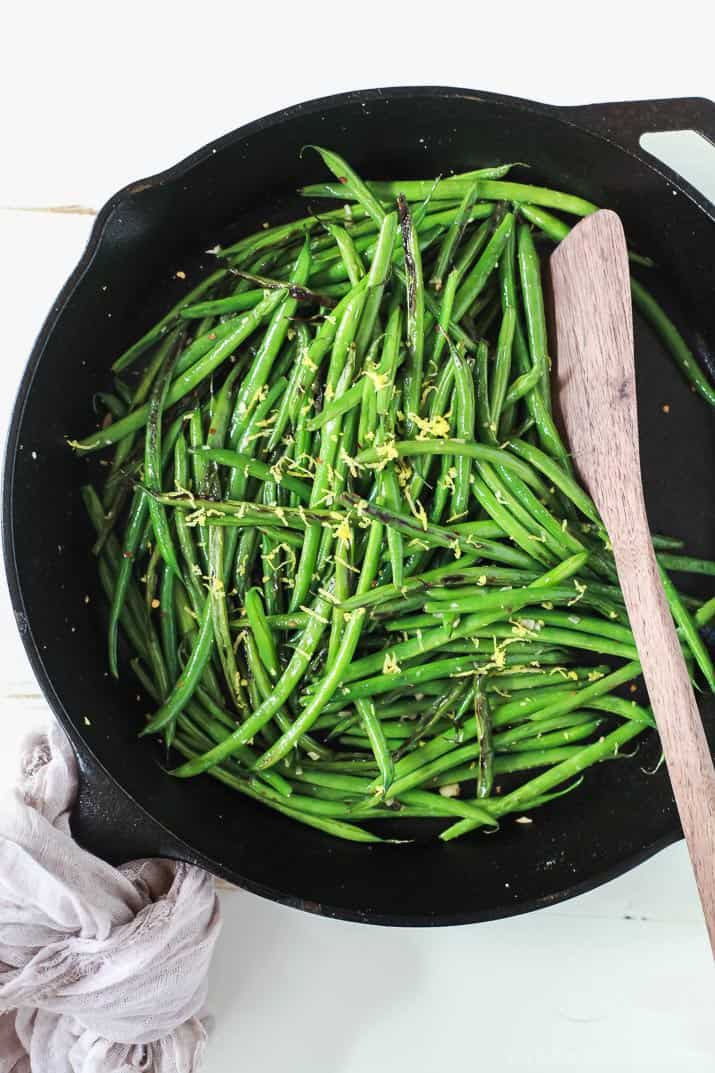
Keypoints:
pixel 337 407
pixel 481 452
pixel 627 709
pixel 239 513
pixel 335 272
pixel 533 758
pixel 689 629
pixel 452 706
pixel 705 613
pixel 235 303
pixel 271 559
pixel 385 683
pixel 444 320
pixel 329 441
pixel 558 476
pixel 272 341
pixel 202 343
pixel 472 249
pixel 416 583
pixel 389 361
pixel 507 601
pixel 485 765
pixel 376 736
pixel 167 621
pixel 465 406
pixel 184 688
pixel 557 738
pixel 663 326
pixel 435 535
pixel 530 275
pixel 133 613
pixel 253 468
pixel 506 520
pixel 354 186
pixel 152 461
pixel 473 284
pixel 453 237
pixel 589 642
pixel 183 532
pixel 132 536
pixel 219 616
pixel 437 805
pixel 344 542
pixel 263 636
pixel 574 620
pixel 457 187
pixel 563 570
pixel 412 386
pixel 516 736
pixel 295 290
pixel 348 253
pixel 686 564
pixel 529 679
pixel 367 418
pixel 502 367
pixel 390 495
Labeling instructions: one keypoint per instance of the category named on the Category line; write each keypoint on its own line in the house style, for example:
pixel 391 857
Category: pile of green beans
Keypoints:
pixel 343 548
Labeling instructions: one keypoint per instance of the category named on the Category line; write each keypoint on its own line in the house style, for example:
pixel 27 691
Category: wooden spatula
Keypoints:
pixel 597 403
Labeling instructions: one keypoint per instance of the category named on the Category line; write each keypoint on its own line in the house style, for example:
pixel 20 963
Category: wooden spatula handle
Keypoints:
pixel 597 399
pixel 683 739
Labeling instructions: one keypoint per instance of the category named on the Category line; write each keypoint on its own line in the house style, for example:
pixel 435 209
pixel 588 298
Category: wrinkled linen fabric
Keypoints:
pixel 102 969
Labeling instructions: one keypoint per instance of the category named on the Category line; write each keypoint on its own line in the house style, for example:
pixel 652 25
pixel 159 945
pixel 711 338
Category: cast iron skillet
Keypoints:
pixel 147 231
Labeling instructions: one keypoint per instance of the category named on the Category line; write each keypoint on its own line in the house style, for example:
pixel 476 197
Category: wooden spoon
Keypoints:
pixel 597 402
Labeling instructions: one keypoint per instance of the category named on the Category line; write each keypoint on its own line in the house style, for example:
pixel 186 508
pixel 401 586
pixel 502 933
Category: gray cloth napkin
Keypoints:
pixel 102 970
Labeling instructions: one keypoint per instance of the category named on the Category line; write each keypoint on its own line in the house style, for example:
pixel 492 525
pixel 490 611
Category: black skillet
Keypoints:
pixel 151 229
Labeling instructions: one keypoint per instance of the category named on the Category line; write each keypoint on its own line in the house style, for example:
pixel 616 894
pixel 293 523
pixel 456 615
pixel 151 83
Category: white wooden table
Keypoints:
pixel 619 979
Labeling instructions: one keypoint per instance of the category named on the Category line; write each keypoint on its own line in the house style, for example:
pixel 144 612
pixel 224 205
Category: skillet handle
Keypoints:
pixel 107 823
pixel 625 121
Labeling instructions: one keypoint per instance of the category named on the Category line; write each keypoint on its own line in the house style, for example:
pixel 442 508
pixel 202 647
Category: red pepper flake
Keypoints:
pixel 212 432
pixel 128 554
pixel 342 179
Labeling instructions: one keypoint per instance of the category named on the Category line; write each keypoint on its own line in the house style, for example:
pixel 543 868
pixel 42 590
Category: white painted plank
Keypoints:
pixel 548 993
